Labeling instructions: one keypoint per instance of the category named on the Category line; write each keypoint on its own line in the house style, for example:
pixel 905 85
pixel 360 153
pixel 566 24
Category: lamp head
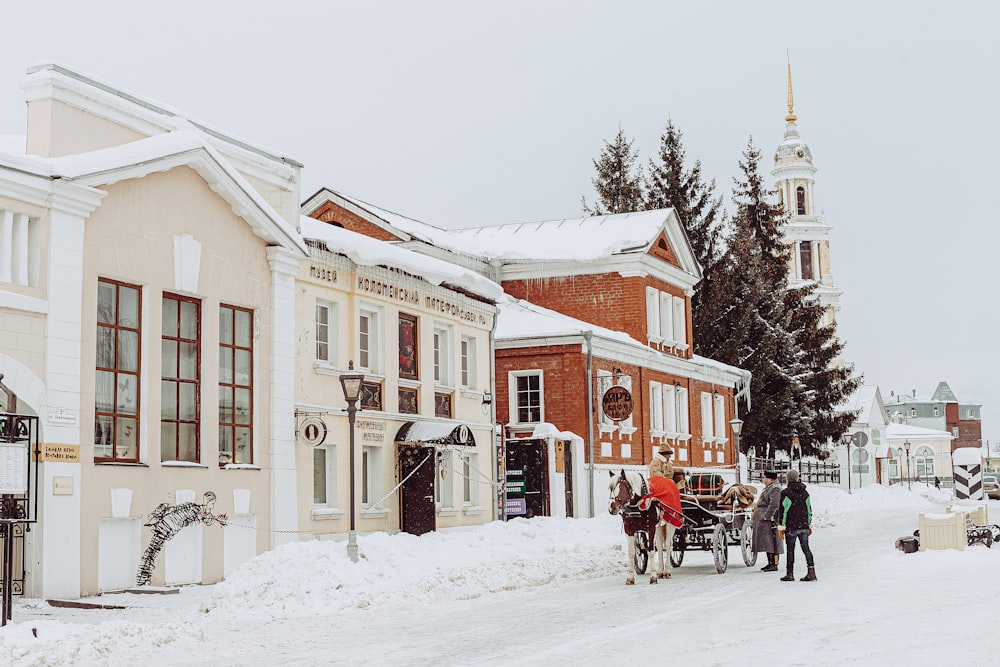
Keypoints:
pixel 736 425
pixel 846 438
pixel 350 382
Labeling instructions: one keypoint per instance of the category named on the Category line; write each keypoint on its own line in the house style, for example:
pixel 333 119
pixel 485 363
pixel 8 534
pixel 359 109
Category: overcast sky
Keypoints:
pixel 458 114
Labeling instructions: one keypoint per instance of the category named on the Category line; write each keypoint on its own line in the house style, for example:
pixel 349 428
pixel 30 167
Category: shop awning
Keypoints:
pixel 436 433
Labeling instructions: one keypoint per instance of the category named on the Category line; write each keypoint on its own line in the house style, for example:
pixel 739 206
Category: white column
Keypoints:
pixel 6 245
pixel 284 265
pixel 19 256
pixel 59 525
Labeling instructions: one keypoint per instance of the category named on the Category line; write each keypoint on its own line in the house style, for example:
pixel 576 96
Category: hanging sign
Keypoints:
pixel 313 431
pixel 617 403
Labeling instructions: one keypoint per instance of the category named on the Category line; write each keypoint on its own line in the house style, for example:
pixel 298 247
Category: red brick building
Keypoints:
pixel 596 302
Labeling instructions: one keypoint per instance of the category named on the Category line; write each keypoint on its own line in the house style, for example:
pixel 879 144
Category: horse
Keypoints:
pixel 656 512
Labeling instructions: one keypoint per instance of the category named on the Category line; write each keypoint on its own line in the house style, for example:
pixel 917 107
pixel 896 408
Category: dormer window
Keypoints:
pixel 800 200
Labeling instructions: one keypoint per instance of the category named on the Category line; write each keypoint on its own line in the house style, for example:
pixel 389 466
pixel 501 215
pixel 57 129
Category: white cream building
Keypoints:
pixel 158 314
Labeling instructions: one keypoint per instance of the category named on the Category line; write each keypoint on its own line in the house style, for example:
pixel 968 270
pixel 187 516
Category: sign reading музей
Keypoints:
pixel 617 403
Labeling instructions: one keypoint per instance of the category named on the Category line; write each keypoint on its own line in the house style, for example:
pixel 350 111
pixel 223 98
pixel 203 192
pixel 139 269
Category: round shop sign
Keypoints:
pixel 617 403
pixel 313 431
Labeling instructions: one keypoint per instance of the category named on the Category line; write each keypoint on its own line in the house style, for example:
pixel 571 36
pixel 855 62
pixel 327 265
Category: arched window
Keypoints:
pixel 806 260
pixel 924 463
pixel 800 200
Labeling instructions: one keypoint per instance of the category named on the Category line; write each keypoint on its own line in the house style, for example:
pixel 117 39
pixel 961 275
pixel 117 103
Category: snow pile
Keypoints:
pixel 402 568
pixel 832 506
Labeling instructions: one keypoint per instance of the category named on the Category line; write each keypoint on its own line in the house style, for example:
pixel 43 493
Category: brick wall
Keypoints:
pixel 564 371
pixel 606 299
pixel 331 212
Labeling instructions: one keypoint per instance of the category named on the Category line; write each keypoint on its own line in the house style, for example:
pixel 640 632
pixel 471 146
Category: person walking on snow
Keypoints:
pixel 796 524
pixel 765 522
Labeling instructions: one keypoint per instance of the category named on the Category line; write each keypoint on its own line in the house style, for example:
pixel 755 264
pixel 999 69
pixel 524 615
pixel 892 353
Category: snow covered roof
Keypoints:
pixel 518 320
pixel 865 402
pixel 367 251
pixel 903 432
pixel 158 153
pixel 569 239
pixel 944 393
pixel 579 239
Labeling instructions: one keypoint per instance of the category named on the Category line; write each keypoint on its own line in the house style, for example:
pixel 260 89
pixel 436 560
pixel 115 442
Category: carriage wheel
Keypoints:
pixel 677 548
pixel 641 552
pixel 746 544
pixel 720 548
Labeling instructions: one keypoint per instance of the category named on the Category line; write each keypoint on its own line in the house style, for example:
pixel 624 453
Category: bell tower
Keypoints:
pixel 806 230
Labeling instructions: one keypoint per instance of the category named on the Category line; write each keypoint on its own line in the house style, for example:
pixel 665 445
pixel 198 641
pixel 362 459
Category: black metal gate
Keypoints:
pixel 529 456
pixel 416 497
pixel 18 447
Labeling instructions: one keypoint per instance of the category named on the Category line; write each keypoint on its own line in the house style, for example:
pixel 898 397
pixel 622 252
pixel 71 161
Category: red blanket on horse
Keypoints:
pixel 666 492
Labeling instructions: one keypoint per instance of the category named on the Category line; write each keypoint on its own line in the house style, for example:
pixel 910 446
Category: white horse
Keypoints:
pixel 627 488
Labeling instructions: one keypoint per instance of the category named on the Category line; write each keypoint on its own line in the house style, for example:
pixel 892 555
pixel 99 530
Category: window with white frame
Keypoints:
pixel 653 314
pixel 670 410
pixel 707 424
pixel 680 321
pixel 720 417
pixel 370 339
pixel 666 316
pixel 467 354
pixel 442 355
pixel 656 408
pixel 526 392
pixel 604 382
pixel 470 494
pixel 683 420
pixel 325 476
pixel 708 455
pixel 326 331
pixel 371 467
pixel 444 480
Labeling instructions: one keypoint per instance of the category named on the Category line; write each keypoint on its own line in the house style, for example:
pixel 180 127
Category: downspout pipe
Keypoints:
pixel 587 337
pixel 500 487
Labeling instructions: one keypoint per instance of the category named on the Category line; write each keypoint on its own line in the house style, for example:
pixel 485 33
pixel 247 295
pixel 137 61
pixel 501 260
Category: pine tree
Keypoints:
pixel 777 331
pixel 619 181
pixel 758 319
pixel 672 185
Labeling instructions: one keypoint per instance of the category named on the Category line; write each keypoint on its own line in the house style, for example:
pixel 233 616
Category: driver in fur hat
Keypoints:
pixel 661 466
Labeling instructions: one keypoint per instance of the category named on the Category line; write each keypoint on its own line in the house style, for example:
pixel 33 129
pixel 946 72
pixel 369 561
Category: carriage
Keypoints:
pixel 712 521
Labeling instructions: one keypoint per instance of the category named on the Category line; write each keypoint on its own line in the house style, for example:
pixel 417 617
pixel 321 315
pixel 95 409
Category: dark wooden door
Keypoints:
pixel 416 497
pixel 530 457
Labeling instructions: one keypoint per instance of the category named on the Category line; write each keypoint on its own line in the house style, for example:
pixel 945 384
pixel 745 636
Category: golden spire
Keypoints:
pixel 791 103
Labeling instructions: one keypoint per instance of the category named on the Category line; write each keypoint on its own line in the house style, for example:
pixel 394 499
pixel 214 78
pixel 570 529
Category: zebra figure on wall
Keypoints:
pixel 166 521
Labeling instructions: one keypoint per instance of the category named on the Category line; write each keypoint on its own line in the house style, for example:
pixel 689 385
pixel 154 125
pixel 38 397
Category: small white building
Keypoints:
pixel 915 454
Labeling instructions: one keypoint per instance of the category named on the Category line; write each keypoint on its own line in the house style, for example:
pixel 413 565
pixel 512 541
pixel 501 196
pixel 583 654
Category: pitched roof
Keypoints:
pixel 160 152
pixel 367 251
pixel 568 239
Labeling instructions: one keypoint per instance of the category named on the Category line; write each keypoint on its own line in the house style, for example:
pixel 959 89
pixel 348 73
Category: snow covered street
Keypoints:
pixel 551 591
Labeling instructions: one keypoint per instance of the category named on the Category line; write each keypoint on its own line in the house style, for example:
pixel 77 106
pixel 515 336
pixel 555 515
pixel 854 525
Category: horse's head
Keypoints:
pixel 621 492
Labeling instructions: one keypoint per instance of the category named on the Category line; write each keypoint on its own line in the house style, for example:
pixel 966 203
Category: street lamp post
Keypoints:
pixel 909 481
pixel 351 384
pixel 737 426
pixel 847 439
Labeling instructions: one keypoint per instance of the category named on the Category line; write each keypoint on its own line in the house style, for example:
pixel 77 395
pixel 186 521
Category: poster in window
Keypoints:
pixel 407 346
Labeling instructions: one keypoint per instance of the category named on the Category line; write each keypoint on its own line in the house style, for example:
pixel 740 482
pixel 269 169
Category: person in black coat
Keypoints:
pixel 796 524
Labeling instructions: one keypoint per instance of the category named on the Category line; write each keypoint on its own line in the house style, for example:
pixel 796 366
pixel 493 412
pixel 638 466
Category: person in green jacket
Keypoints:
pixel 796 524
